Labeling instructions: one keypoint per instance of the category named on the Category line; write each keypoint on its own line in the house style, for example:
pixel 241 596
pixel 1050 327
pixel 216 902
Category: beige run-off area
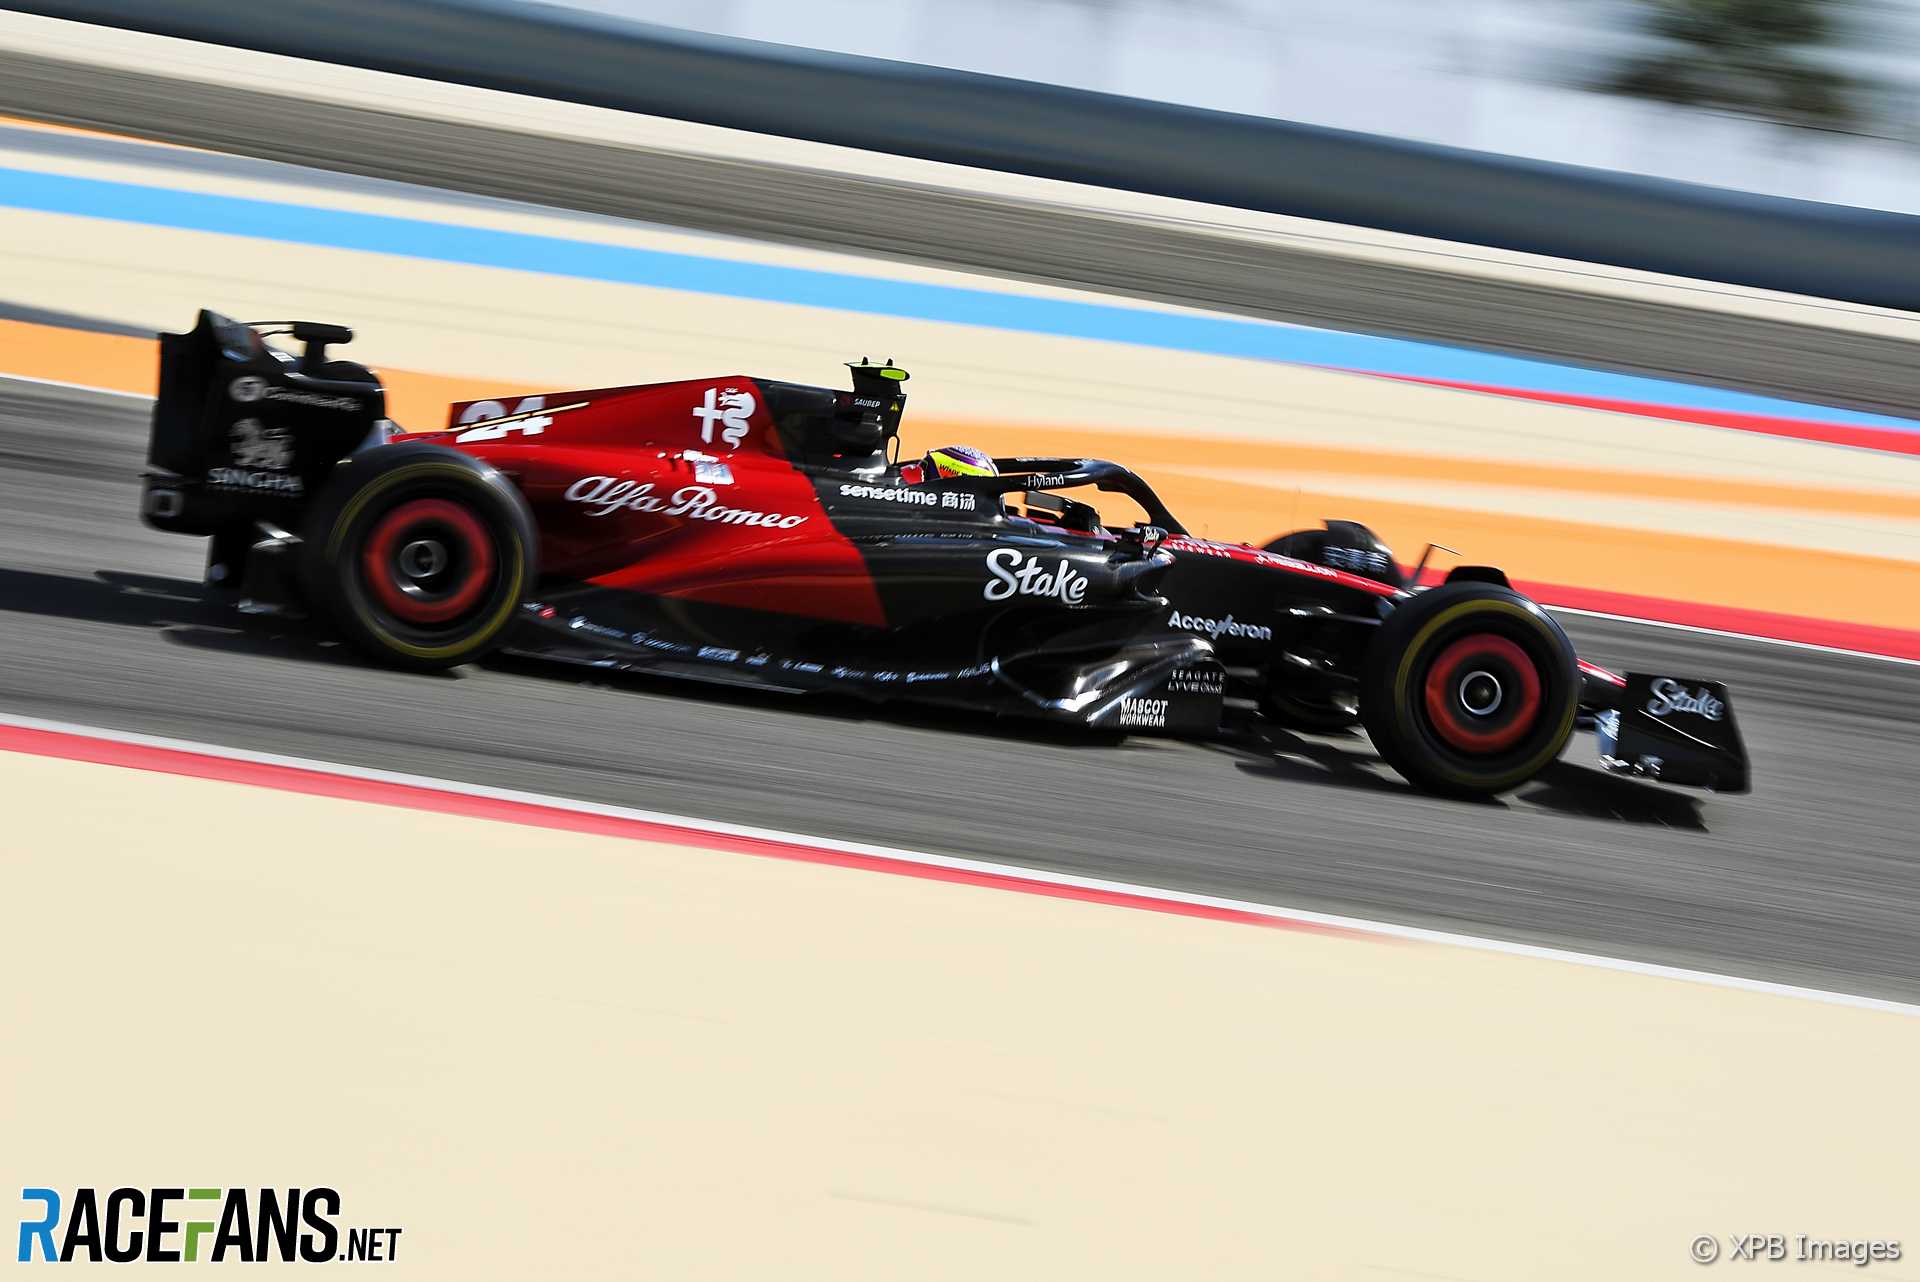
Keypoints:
pixel 549 1054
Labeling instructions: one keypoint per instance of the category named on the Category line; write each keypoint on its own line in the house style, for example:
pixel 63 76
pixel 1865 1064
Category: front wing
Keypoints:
pixel 1674 730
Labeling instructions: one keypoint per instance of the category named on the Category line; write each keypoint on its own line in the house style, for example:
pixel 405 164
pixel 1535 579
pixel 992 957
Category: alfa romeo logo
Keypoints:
pixel 248 388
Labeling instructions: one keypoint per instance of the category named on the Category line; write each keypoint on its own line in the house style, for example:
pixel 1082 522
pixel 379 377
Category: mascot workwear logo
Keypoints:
pixel 168 1225
pixel 729 408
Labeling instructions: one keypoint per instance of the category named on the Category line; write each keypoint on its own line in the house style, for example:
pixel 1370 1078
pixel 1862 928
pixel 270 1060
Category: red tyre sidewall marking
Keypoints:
pixel 465 528
pixel 1458 733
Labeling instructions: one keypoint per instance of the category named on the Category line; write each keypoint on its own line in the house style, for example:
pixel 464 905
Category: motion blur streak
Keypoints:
pixel 447 939
pixel 879 296
pixel 788 192
pixel 111 628
pixel 108 626
pixel 186 759
pixel 1661 511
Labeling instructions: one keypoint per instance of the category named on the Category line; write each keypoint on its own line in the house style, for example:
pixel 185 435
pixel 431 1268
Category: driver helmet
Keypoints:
pixel 950 461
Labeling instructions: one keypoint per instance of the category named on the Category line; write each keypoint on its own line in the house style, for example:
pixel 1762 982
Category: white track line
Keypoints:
pixel 1736 636
pixel 1275 912
pixel 74 387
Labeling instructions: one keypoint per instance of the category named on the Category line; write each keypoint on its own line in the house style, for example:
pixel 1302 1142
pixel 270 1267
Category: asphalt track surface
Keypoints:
pixel 1814 879
pixel 1170 261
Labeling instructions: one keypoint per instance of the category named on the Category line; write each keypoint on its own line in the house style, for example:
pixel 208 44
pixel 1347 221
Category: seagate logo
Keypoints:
pixel 1197 681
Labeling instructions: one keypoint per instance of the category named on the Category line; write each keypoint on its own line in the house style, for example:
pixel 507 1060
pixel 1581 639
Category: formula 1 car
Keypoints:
pixel 750 531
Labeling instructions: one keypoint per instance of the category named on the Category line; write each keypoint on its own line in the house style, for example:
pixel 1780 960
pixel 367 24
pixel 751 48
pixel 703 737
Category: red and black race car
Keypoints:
pixel 745 530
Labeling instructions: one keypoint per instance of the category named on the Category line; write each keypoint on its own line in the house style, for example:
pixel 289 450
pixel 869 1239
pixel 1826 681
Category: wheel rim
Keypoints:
pixel 1483 694
pixel 428 561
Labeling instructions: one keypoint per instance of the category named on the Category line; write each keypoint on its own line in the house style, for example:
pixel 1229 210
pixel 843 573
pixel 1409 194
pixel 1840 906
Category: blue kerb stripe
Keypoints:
pixel 620 264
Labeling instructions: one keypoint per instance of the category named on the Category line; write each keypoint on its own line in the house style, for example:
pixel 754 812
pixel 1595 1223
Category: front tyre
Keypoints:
pixel 419 554
pixel 1469 689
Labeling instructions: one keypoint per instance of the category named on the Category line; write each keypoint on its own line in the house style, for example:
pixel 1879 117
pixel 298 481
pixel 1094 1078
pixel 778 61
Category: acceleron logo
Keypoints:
pixel 170 1225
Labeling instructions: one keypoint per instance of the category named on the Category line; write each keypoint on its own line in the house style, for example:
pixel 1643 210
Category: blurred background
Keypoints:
pixel 1809 98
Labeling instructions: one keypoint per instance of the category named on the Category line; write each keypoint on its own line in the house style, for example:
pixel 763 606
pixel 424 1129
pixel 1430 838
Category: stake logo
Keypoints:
pixel 1670 696
pixel 168 1225
pixel 1017 574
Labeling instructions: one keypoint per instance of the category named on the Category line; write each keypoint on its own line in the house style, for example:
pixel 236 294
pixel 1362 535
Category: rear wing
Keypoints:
pixel 243 431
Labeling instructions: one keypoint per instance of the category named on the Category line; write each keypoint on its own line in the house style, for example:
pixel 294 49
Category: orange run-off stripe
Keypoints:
pixel 1892 440
pixel 420 401
pixel 48 126
pixel 122 363
pixel 1669 573
pixel 1653 566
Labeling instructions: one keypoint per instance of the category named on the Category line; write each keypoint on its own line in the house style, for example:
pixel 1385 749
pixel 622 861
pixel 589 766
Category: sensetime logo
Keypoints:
pixel 166 1226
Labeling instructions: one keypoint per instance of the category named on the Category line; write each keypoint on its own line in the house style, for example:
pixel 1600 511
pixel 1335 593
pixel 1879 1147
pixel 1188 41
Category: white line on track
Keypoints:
pixel 1013 872
pixel 1384 929
pixel 1737 636
pixel 74 387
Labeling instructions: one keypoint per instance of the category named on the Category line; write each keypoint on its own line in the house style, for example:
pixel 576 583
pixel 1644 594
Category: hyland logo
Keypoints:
pixel 166 1226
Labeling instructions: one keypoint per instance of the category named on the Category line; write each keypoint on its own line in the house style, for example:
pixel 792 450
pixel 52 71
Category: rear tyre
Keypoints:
pixel 419 554
pixel 1469 689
